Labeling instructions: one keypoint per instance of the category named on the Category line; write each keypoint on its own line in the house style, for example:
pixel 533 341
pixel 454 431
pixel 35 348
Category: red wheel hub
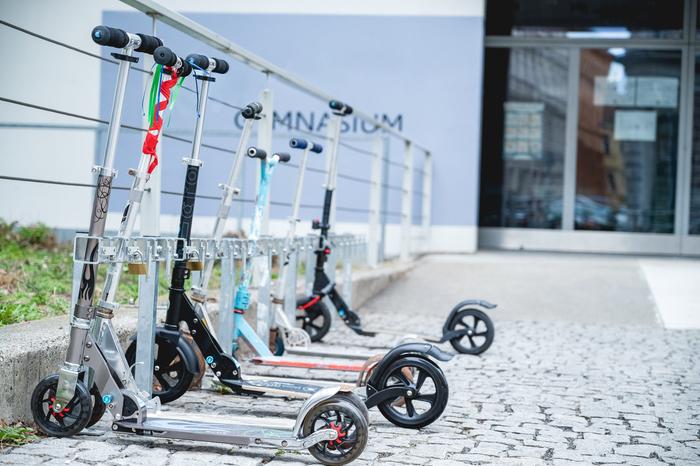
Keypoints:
pixel 341 435
pixel 54 413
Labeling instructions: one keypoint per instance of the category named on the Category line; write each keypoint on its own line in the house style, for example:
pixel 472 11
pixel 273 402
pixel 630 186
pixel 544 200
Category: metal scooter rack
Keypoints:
pixel 142 255
pixel 230 252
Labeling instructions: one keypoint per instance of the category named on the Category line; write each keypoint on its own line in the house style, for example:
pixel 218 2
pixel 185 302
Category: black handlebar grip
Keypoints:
pixel 198 61
pixel 221 66
pixel 164 56
pixel 110 37
pixel 340 107
pixel 148 43
pixel 299 143
pixel 251 110
pixel 256 153
pixel 283 157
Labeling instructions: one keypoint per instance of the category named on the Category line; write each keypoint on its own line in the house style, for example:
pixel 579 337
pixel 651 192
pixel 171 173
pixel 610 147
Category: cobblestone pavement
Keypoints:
pixel 545 393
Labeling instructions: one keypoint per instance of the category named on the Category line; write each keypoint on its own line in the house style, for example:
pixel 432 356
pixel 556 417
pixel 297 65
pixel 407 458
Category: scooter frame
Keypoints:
pixel 324 287
pixel 132 411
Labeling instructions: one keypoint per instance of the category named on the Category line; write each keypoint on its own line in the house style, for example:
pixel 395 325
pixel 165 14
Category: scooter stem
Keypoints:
pixel 83 313
pixel 229 192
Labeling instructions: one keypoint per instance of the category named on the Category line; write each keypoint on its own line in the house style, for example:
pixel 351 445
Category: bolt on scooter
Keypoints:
pixel 62 410
pixel 467 320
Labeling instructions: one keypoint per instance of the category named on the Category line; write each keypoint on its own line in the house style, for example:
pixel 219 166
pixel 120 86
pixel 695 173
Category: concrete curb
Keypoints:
pixel 31 350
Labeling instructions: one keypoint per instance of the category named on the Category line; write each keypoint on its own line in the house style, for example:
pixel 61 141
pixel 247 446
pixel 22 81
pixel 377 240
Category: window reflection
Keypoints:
pixel 627 140
pixel 525 94
pixel 694 220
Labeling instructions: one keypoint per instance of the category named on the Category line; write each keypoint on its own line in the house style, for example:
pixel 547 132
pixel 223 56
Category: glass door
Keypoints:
pixel 627 147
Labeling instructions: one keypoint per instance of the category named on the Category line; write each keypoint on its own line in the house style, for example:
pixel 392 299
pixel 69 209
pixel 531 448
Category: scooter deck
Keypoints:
pixel 281 361
pixel 235 430
pixel 316 352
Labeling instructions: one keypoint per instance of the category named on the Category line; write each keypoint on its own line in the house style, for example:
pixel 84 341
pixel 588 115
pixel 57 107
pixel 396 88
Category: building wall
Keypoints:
pixel 417 60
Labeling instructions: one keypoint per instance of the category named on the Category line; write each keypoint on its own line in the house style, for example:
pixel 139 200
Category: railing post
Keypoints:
pixel 148 284
pixel 309 263
pixel 226 295
pixel 375 201
pixel 289 292
pixel 146 327
pixel 407 201
pixel 347 270
pixel 427 198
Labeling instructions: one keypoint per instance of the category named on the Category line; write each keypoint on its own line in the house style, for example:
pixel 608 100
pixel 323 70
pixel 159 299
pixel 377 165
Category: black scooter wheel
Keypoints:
pixel 342 416
pixel 315 319
pixel 429 397
pixel 481 327
pixel 98 406
pixel 73 418
pixel 171 379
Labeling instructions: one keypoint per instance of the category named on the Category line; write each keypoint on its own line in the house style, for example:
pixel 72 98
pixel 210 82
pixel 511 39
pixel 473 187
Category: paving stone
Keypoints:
pixel 585 394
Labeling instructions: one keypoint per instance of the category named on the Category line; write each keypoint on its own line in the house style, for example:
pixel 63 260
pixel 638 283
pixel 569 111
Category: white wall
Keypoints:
pixel 59 78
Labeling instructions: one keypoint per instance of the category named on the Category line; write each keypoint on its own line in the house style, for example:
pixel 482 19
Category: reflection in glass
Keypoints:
pixel 524 113
pixel 694 220
pixel 627 140
pixel 599 19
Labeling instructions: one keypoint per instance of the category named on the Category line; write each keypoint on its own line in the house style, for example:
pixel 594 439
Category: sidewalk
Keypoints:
pixel 581 372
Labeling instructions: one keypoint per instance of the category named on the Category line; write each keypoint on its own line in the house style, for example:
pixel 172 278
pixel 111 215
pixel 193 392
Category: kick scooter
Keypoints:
pixel 465 321
pixel 400 375
pixel 60 409
pixel 381 390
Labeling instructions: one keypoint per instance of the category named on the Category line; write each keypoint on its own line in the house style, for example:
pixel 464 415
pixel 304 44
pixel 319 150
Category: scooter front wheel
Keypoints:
pixel 428 397
pixel 171 378
pixel 70 420
pixel 342 416
pixel 477 328
pixel 314 319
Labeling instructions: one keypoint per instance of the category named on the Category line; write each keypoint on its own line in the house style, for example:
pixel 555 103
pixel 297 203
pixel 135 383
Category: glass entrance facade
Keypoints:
pixel 589 112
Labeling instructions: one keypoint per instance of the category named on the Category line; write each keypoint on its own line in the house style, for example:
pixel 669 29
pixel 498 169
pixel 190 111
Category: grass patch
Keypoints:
pixel 36 275
pixel 14 435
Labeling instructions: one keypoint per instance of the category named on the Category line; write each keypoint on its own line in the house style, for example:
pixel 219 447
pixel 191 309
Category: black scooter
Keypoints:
pixel 468 328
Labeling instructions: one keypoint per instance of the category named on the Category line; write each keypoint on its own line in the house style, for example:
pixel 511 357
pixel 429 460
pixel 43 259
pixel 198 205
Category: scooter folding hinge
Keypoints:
pixel 104 171
pixel 198 295
pixel 192 162
pixel 106 308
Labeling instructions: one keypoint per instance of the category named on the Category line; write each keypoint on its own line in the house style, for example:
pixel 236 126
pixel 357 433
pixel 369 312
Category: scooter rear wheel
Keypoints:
pixel 342 416
pixel 430 392
pixel 315 319
pixel 481 326
pixel 171 378
pixel 73 418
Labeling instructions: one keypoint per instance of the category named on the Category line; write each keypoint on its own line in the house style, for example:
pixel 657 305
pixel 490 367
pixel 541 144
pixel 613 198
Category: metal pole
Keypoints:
pixel 375 198
pixel 427 198
pixel 226 292
pixel 406 202
pixel 384 201
pixel 146 327
pixel 347 271
pixel 148 284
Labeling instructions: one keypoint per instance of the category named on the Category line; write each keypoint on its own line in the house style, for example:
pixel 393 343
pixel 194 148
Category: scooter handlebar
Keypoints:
pixel 340 108
pixel 203 62
pixel 299 143
pixel 251 110
pixel 113 37
pixel 148 43
pixel 256 153
pixel 283 157
pixel 166 57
